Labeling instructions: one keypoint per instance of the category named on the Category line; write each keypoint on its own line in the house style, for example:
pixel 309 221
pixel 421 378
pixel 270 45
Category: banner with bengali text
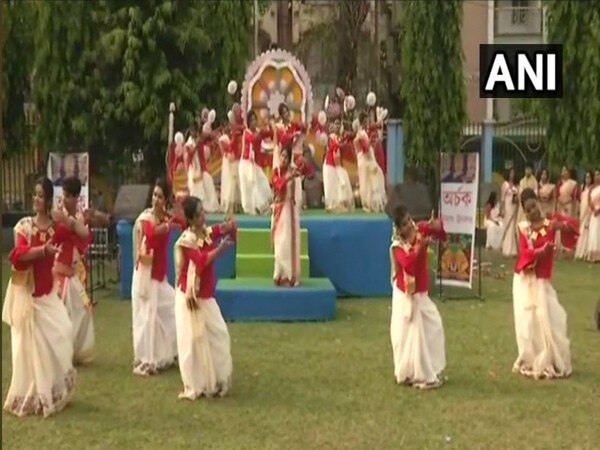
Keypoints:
pixel 61 166
pixel 459 175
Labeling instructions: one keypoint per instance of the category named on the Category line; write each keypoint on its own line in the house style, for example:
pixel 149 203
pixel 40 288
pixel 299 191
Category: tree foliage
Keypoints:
pixel 572 130
pixel 106 71
pixel 17 63
pixel 432 87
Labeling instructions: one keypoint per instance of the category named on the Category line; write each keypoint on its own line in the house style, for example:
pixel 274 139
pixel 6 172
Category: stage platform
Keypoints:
pixel 351 250
pixel 257 299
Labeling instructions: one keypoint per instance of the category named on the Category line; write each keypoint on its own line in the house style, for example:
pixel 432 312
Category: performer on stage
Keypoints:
pixel 540 320
pixel 285 221
pixel 527 182
pixel 177 166
pixel 509 208
pixel 493 223
pixel 200 181
pixel 585 214
pixel 593 247
pixel 230 179
pixel 371 182
pixel 71 273
pixel 152 297
pixel 416 330
pixel 202 337
pixel 255 189
pixel 336 182
pixel 43 376
pixel 546 194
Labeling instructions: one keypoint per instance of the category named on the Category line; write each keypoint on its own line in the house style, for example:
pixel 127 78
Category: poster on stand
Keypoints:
pixel 61 166
pixel 459 175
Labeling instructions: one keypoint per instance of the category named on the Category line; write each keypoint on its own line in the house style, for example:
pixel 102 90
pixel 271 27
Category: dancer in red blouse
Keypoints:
pixel 152 297
pixel 254 184
pixel 71 273
pixel 540 320
pixel 202 337
pixel 416 329
pixel 285 221
pixel 231 149
pixel 336 182
pixel 43 376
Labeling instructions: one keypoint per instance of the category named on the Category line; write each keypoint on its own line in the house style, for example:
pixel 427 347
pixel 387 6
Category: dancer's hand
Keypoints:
pixel 50 249
pixel 59 217
pixel 225 243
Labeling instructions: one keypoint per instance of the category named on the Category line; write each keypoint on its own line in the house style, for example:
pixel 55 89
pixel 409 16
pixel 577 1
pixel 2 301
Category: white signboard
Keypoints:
pixel 61 166
pixel 459 176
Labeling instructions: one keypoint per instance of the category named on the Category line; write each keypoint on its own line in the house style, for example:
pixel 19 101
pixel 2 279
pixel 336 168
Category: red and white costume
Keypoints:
pixel 43 377
pixel 371 182
pixel 200 181
pixel 152 299
pixel 546 195
pixel 593 244
pixel 230 179
pixel 337 188
pixel 255 189
pixel 585 214
pixel 71 273
pixel 540 320
pixel 177 166
pixel 416 329
pixel 203 340
pixel 493 227
pixel 285 223
pixel 509 194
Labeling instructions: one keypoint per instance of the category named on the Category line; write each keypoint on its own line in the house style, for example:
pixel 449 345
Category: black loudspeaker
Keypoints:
pixel 598 315
pixel 415 196
pixel 131 200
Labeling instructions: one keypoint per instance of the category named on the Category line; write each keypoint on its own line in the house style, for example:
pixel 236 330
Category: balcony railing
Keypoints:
pixel 518 20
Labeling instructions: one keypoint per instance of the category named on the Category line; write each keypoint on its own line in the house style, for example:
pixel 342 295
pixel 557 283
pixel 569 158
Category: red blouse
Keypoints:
pixel 414 262
pixel 333 150
pixel 66 254
pixel 158 243
pixel 43 279
pixel 532 244
pixel 204 269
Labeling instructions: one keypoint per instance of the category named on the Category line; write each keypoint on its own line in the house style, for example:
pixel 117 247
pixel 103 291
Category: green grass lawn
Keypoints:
pixel 330 385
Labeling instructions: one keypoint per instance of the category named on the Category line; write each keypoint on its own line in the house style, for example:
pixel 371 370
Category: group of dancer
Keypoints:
pixel 566 197
pixel 250 150
pixel 416 330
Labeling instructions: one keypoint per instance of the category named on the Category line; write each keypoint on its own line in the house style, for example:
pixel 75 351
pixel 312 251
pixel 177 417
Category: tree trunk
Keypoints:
pixel 352 15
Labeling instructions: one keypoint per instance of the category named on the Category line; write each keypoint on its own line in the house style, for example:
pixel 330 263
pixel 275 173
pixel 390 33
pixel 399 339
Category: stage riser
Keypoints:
pixel 243 301
pixel 260 241
pixel 352 252
pixel 261 266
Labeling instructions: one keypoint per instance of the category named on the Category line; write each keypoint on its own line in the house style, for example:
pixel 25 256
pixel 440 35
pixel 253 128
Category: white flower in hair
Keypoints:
pixel 356 125
pixel 371 99
pixel 212 115
pixel 349 103
pixel 206 128
pixel 322 118
pixel 179 138
pixel 232 87
pixel 230 116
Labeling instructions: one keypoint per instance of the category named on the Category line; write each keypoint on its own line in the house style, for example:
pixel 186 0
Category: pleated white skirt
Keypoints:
pixel 154 332
pixel 204 350
pixel 43 377
pixel 540 328
pixel 82 320
pixel 417 336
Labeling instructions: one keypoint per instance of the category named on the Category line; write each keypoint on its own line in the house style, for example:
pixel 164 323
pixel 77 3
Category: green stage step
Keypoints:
pixel 261 265
pixel 258 241
pixel 252 283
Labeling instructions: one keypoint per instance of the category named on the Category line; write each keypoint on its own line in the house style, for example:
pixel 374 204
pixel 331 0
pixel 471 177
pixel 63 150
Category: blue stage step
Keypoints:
pixel 257 299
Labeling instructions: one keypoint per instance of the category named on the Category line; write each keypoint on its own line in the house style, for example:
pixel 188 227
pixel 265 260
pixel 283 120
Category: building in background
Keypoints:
pixel 297 26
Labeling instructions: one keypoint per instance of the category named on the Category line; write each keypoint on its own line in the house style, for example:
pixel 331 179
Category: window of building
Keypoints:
pixel 520 8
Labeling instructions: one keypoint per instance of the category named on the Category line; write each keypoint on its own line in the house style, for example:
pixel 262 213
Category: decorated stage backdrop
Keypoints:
pixel 459 189
pixel 61 166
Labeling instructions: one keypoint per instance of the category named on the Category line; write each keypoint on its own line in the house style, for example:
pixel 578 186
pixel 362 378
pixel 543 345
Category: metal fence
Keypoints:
pixel 19 172
pixel 517 144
